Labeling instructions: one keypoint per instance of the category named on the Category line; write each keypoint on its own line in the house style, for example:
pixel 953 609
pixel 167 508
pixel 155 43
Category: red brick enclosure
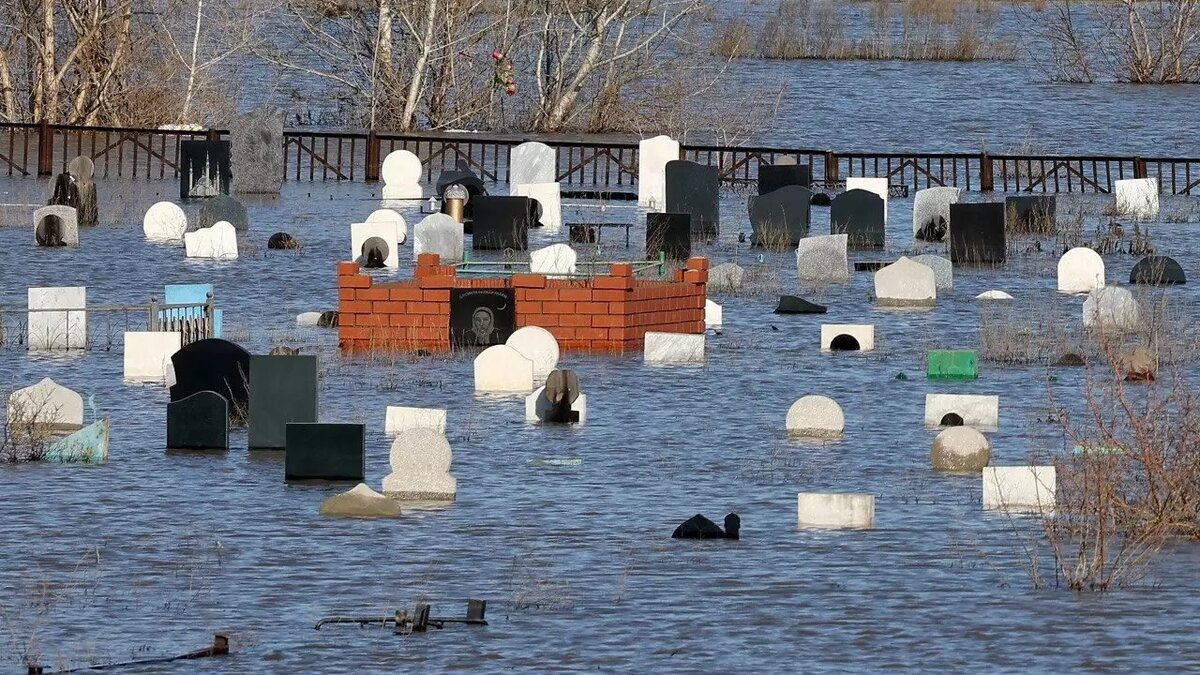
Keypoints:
pixel 608 313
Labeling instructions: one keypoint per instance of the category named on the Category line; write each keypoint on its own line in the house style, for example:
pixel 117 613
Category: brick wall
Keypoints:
pixel 609 313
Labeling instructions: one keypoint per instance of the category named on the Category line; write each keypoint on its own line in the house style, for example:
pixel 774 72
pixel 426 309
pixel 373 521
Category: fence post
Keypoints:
pixel 831 169
pixel 210 318
pixel 45 149
pixel 987 181
pixel 212 135
pixel 1139 168
pixel 372 172
pixel 152 323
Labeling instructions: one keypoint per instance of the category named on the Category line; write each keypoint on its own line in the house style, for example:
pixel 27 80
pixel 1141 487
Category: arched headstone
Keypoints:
pixel 906 283
pixel 214 365
pixel 56 226
pixel 391 216
pixel 420 462
pixel 993 295
pixel 780 218
pixel 532 162
pixel 401 174
pixel 783 173
pixel 653 155
pixel 164 221
pixel 861 215
pixel 539 346
pixel 439 233
pixel 815 417
pixel 877 185
pixel 1111 309
pixel 1080 270
pixel 371 240
pixel 726 277
pixel 822 259
pixel 943 270
pixel 198 422
pixel 931 212
pixel 502 369
pixel 960 449
pixel 218 241
pixel 1157 270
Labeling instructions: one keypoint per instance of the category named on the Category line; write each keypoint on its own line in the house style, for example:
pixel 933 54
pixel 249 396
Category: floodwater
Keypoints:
pixel 153 552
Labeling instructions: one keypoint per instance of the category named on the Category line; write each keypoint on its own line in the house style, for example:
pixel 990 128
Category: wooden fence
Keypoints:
pixel 585 162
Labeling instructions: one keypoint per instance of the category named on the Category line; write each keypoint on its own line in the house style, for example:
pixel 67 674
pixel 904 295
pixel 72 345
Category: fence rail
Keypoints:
pixel 312 155
pixel 74 328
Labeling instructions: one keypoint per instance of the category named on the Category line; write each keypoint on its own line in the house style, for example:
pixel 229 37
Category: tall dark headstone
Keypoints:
pixel 695 189
pixel 198 422
pixel 780 218
pixel 670 233
pixel 503 222
pixel 977 234
pixel 222 207
pixel 214 365
pixel 203 169
pixel 283 389
pixel 64 191
pixel 83 170
pixel 481 317
pixel 858 214
pixel 1157 270
pixel 325 452
pixel 1031 214
pixel 771 177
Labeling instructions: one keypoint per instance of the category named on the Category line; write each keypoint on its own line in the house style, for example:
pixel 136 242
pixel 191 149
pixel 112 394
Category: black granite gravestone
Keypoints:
pixel 699 527
pixel 65 191
pixel 977 234
pixel 325 452
pixel 859 215
pixel 374 253
pixel 49 231
pixel 1157 270
pixel 282 241
pixel 481 317
pixel 283 389
pixel 670 233
pixel 203 169
pixel 780 218
pixel 328 319
pixel 771 177
pixel 503 222
pixel 871 265
pixel 790 304
pixel 198 422
pixel 214 365
pixel 223 207
pixel 695 189
pixel 1029 214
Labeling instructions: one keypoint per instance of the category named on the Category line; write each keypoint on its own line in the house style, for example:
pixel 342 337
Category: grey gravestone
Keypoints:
pixel 283 389
pixel 222 207
pixel 695 189
pixel 931 212
pixel 503 222
pixel 790 304
pixel 257 147
pixel 213 365
pixel 943 270
pixel 203 169
pixel 859 214
pixel 726 277
pixel 1031 214
pixel 56 226
pixel 772 177
pixel 82 169
pixel 482 316
pixel 325 452
pixel 977 234
pixel 780 218
pixel 198 422
pixel 822 260
pixel 670 233
pixel 1157 270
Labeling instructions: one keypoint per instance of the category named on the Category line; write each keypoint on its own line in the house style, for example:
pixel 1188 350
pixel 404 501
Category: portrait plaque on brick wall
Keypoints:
pixel 481 317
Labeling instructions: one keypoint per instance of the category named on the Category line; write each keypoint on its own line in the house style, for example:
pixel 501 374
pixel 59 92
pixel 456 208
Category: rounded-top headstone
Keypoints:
pixel 815 416
pixel 943 270
pixel 993 295
pixel 400 167
pixel 82 168
pixel 282 241
pixel 391 216
pixel 420 460
pixel 726 277
pixel 164 221
pixel 961 450
pixel 1080 270
pixel 1111 308
pixel 906 283
pixel 538 345
pixel 562 384
pixel 1157 270
pixel 223 208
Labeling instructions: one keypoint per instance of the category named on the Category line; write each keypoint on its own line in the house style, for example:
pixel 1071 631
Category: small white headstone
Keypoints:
pixel 815 417
pixel 864 334
pixel 877 185
pixel 549 196
pixel 532 162
pixel 420 460
pixel 147 354
pixel 218 241
pixel 1137 198
pixel 539 346
pixel 401 418
pixel 63 329
pixel 981 412
pixel 932 204
pixel 943 270
pixel 46 403
pixel 674 348
pixel 822 259
pixel 1080 270
pixel 164 221
pixel 993 295
pixel 500 369
pixel 713 314
pixel 835 510
pixel 401 175
pixel 439 233
pixel 68 222
pixel 960 450
pixel 308 319
pixel 1019 488
pixel 1111 309
pixel 906 283
pixel 554 260
pixel 537 406
pixel 360 233
pixel 653 155
pixel 390 216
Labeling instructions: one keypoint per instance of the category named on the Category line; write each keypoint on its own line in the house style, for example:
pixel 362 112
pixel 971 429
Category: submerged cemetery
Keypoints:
pixel 662 406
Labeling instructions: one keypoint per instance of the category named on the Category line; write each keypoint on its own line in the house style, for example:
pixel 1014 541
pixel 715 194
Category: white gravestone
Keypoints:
pixel 539 346
pixel 401 175
pixel 943 270
pixel 500 369
pixel 713 314
pixel 420 460
pixel 549 196
pixel 993 295
pixel 877 185
pixel 1137 198
pixel 1111 309
pixel 401 418
pixel 218 241
pixel 148 354
pixel 906 283
pixel 59 329
pixel 1019 488
pixel 815 417
pixel 864 334
pixel 932 205
pixel 555 260
pixel 674 348
pixel 164 221
pixel 981 412
pixel 653 155
pixel 835 510
pixel 822 259
pixel 390 216
pixel 360 233
pixel 532 162
pixel 537 406
pixel 68 219
pixel 46 403
pixel 308 319
pixel 1080 270
pixel 439 233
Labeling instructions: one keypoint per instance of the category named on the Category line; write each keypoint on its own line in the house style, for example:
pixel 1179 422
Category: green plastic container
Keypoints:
pixel 951 364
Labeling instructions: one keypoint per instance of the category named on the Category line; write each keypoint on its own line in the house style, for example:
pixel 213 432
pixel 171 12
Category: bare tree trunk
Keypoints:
pixel 8 94
pixel 192 65
pixel 46 96
pixel 409 114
